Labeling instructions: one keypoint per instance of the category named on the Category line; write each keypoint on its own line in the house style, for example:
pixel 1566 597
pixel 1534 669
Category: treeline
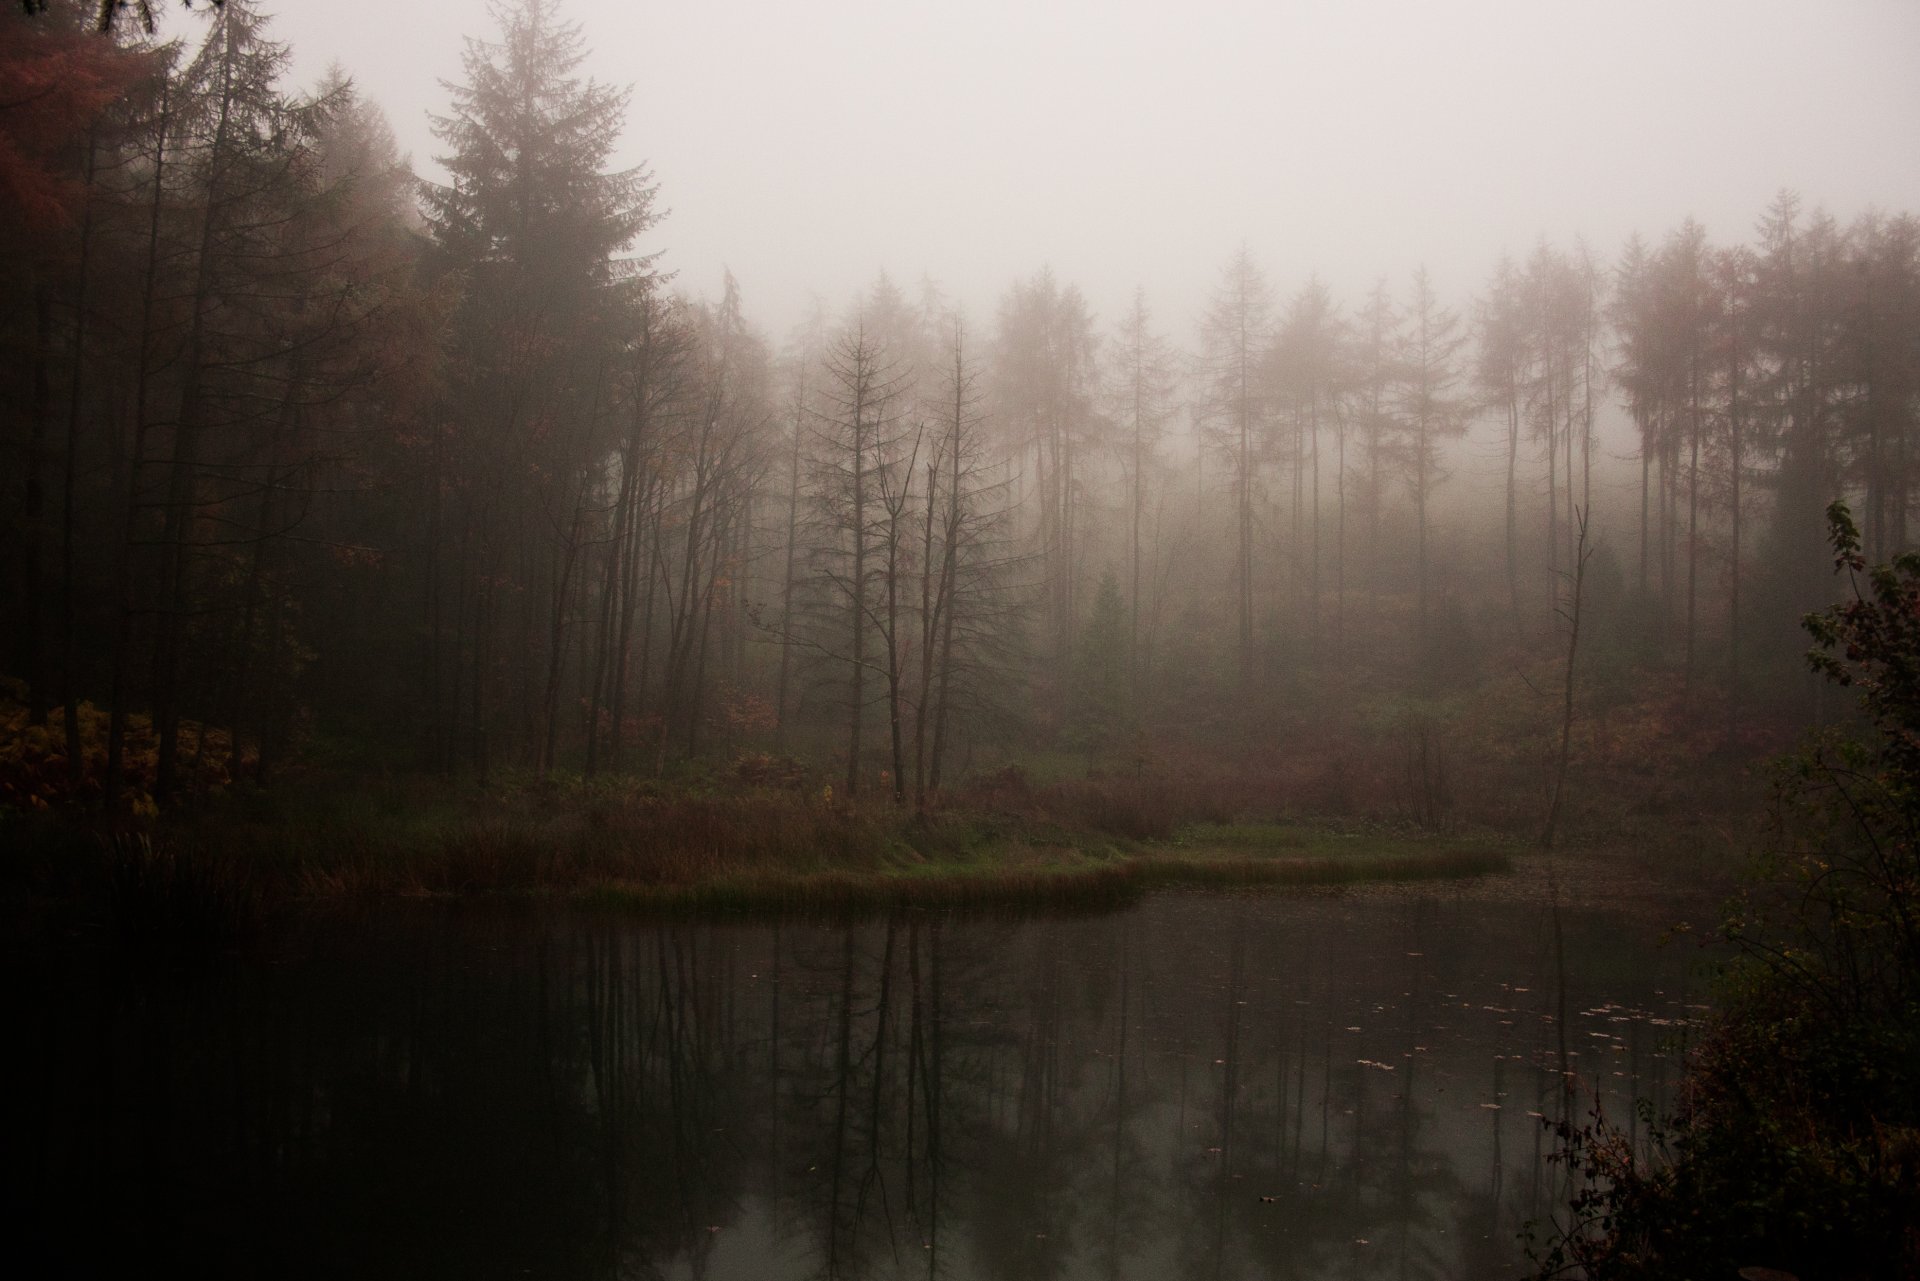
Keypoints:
pixel 313 453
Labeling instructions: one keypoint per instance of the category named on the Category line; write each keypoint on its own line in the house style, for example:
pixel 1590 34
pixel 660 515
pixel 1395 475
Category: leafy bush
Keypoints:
pixel 35 773
pixel 1800 1149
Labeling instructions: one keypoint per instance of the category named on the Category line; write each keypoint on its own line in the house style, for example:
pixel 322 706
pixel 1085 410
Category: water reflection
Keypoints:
pixel 1208 1086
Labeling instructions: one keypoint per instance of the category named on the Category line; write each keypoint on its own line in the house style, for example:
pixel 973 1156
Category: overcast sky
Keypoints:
pixel 807 145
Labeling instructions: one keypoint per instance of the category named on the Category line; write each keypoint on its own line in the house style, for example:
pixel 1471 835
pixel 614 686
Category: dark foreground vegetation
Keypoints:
pixel 710 843
pixel 1799 1147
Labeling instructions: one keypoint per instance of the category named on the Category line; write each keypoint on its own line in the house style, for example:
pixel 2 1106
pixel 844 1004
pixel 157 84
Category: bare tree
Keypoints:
pixel 970 613
pixel 1234 338
pixel 857 432
pixel 1499 371
pixel 1430 414
pixel 1140 392
pixel 1307 378
pixel 1045 384
pixel 1569 611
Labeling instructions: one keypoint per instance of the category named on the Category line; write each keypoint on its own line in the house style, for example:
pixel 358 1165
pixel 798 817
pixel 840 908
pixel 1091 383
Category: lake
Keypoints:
pixel 1339 1084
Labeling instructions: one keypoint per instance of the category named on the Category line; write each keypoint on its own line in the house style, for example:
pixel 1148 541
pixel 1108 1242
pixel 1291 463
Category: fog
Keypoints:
pixel 1434 484
pixel 1253 361
pixel 810 146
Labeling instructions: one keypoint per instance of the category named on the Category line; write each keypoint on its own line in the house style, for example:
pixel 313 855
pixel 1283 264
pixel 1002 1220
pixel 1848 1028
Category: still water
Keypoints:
pixel 1329 1085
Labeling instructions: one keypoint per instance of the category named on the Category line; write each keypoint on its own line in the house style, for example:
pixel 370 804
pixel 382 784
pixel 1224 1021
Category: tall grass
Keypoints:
pixel 163 900
pixel 1084 885
pixel 557 840
pixel 207 877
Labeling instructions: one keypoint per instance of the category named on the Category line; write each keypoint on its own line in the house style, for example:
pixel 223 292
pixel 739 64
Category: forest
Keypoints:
pixel 318 459
pixel 372 531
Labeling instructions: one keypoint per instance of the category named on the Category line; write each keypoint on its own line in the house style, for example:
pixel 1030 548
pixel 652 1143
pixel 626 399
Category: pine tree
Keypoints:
pixel 1501 356
pixel 1234 337
pixel 1140 393
pixel 1045 376
pixel 538 228
pixel 1430 413
pixel 1307 378
pixel 1099 710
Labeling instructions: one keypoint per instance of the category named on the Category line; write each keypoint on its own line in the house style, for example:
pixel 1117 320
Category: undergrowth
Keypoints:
pixel 693 844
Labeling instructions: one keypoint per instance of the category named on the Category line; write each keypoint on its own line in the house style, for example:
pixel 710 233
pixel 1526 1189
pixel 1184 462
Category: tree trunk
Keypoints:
pixel 69 680
pixel 123 575
pixel 184 466
pixel 786 592
pixel 929 626
pixel 39 412
pixel 1554 806
pixel 1693 515
pixel 857 611
pixel 1736 465
pixel 1513 501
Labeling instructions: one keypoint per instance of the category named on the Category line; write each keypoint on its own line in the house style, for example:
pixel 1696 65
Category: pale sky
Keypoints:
pixel 807 145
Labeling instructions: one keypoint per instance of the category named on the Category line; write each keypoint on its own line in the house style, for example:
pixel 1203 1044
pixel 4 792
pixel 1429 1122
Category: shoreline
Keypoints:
pixel 1115 883
pixel 216 877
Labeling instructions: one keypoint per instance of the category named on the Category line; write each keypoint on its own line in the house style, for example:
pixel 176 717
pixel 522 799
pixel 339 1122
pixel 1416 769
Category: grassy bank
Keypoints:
pixel 1069 882
pixel 701 846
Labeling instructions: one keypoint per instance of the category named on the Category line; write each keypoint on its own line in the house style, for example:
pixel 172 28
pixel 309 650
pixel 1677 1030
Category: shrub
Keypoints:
pixel 1801 1147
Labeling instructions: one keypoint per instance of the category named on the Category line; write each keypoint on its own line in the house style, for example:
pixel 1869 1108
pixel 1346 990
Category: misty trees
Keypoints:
pixel 1234 336
pixel 1375 360
pixel 231 154
pixel 1140 391
pixel 967 616
pixel 858 433
pixel 1686 306
pixel 904 597
pixel 796 369
pixel 534 223
pixel 1734 353
pixel 263 306
pixel 1880 363
pixel 1046 384
pixel 1539 331
pixel 294 442
pixel 1557 337
pixel 649 384
pixel 1635 371
pixel 1429 412
pixel 708 509
pixel 1499 372
pixel 54 161
pixel 349 327
pixel 1308 384
pixel 1099 707
pixel 228 286
pixel 1764 375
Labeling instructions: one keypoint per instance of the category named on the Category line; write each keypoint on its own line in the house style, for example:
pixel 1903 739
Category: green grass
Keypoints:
pixel 691 847
pixel 1001 880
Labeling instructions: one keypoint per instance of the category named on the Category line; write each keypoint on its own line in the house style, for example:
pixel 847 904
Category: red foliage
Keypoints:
pixel 57 81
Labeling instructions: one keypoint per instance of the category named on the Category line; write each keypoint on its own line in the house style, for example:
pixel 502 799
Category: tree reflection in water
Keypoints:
pixel 1206 1086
